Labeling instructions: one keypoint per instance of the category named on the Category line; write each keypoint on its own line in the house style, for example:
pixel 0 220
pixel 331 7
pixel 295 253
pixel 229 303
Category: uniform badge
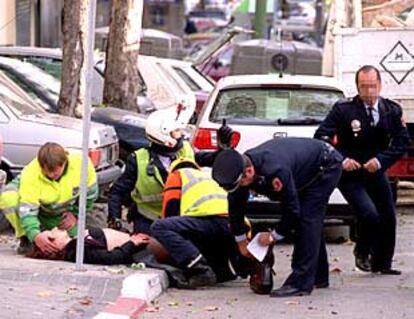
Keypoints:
pixel 356 127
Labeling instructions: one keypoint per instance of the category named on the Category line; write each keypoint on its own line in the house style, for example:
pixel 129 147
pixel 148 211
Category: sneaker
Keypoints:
pixel 200 274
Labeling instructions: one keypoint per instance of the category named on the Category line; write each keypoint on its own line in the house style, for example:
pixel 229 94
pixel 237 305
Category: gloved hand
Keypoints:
pixel 224 135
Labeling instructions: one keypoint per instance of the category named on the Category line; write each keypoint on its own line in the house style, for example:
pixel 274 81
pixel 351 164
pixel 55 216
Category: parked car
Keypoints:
pixel 262 107
pixel 44 89
pixel 209 17
pixel 25 127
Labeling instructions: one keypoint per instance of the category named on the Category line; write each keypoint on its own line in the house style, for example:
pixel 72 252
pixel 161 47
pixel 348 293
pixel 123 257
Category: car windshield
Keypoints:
pixel 18 105
pixel 274 106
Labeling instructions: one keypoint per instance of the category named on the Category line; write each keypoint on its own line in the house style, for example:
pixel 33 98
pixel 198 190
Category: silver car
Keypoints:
pixel 25 127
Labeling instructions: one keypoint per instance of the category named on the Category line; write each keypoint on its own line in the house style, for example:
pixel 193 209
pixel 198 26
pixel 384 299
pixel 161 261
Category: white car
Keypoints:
pixel 262 107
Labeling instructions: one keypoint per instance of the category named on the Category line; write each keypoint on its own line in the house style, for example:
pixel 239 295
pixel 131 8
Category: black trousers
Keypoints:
pixel 370 196
pixel 310 261
pixel 185 238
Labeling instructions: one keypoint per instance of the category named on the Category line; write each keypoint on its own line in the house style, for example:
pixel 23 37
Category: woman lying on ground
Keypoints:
pixel 103 246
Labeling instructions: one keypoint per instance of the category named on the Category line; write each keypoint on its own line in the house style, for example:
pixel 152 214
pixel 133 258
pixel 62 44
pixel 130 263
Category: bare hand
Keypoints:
pixel 243 248
pixel 350 164
pixel 139 239
pixel 68 221
pixel 372 165
pixel 277 184
pixel 265 239
pixel 43 242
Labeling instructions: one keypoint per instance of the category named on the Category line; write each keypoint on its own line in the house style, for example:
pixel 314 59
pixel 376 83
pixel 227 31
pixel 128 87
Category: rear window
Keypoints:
pixel 273 105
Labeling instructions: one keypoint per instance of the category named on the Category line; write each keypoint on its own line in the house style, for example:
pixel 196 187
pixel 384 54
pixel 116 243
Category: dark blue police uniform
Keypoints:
pixel 309 171
pixel 369 194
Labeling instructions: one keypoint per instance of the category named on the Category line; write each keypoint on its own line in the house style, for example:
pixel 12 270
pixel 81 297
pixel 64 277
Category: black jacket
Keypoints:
pixel 357 139
pixel 297 162
pixel 96 250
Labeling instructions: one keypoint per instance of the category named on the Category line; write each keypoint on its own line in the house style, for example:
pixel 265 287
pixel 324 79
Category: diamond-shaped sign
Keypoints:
pixel 399 62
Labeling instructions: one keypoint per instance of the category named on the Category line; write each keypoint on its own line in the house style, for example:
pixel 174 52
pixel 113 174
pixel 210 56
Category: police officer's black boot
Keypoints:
pixel 199 273
pixel 362 261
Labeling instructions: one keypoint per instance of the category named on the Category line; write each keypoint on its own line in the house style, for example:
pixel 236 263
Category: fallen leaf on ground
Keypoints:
pixel 116 271
pixel 173 304
pixel 152 309
pixel 336 269
pixel 44 294
pixel 86 301
pixel 292 302
pixel 336 259
pixel 189 303
pixel 211 308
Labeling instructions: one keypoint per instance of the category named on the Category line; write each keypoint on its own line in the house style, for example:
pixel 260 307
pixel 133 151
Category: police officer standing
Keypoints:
pixel 304 172
pixel 372 136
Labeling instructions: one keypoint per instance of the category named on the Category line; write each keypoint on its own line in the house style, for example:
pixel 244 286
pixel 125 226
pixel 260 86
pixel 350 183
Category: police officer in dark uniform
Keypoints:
pixel 304 173
pixel 371 135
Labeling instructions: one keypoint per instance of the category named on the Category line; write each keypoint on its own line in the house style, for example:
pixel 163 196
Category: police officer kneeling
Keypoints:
pixel 304 172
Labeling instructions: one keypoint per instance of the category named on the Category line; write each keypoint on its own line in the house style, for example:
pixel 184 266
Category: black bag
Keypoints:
pixel 261 277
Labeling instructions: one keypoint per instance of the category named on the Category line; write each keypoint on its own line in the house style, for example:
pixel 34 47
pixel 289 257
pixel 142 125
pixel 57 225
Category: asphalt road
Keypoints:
pixel 352 295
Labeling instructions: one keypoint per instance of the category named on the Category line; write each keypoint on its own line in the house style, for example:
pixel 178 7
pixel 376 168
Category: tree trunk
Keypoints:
pixel 75 16
pixel 121 73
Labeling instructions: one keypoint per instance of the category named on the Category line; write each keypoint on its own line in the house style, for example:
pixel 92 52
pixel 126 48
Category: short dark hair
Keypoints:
pixel 367 68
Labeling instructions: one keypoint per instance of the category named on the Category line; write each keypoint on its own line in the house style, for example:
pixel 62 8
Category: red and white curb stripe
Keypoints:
pixel 138 290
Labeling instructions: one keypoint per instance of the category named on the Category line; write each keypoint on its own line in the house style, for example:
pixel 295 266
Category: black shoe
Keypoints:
pixel 388 271
pixel 362 262
pixel 323 284
pixel 24 246
pixel 288 291
pixel 200 274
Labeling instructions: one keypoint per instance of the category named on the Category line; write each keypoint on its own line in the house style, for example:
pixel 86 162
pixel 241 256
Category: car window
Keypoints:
pixel 49 65
pixel 187 79
pixel 28 89
pixel 17 104
pixel 273 105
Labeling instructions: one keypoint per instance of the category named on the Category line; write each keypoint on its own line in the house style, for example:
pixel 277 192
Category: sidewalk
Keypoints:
pixel 32 288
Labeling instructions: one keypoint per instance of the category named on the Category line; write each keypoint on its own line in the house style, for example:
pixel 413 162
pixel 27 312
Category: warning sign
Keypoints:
pixel 399 62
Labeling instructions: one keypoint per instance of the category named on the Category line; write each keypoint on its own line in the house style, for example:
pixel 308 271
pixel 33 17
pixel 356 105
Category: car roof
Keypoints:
pixel 46 52
pixel 255 80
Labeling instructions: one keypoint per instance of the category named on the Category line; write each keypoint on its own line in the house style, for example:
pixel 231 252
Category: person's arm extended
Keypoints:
pixel 120 191
pixel 289 204
pixel 329 127
pixel 171 198
pixel 400 140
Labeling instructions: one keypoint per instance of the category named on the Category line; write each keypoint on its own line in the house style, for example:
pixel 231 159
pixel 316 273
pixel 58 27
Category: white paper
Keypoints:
pixel 258 251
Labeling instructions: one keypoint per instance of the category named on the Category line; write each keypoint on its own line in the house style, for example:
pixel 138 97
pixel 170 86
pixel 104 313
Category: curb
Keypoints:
pixel 138 290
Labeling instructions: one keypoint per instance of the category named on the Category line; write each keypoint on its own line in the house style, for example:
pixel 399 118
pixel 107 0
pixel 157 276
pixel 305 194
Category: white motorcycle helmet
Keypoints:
pixel 161 123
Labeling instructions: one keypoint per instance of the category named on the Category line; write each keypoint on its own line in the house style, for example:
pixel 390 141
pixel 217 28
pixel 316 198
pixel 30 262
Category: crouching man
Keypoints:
pixel 194 227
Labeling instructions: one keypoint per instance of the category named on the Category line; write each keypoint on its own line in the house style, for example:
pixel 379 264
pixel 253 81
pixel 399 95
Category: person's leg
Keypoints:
pixel 383 249
pixel 179 236
pixel 356 194
pixel 307 256
pixel 322 273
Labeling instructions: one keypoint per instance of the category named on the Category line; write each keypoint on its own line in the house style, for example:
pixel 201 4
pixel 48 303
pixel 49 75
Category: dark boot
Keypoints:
pixel 261 278
pixel 24 246
pixel 362 261
pixel 200 274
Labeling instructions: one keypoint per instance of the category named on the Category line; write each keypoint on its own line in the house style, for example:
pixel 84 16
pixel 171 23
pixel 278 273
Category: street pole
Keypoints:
pixel 87 75
pixel 260 19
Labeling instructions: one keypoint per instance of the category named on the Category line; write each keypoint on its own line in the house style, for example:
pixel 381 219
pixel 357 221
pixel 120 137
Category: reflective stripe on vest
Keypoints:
pixel 201 195
pixel 147 193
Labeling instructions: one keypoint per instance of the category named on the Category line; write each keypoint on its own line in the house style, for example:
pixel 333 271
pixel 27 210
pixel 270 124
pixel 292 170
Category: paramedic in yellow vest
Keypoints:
pixel 49 194
pixel 194 227
pixel 140 186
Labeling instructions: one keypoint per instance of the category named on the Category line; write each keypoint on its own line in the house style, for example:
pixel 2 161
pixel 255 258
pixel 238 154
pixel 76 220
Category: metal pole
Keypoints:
pixel 87 74
pixel 260 19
